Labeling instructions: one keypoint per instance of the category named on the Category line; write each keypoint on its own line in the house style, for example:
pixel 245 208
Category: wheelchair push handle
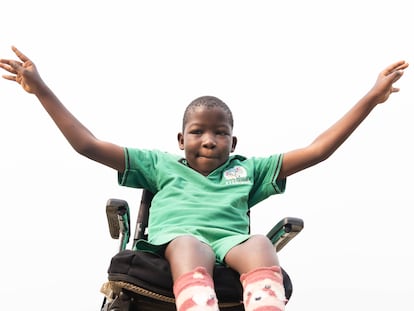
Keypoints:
pixel 284 231
pixel 117 213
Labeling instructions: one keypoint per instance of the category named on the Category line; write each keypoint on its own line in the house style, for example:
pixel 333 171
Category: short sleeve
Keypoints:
pixel 266 181
pixel 140 169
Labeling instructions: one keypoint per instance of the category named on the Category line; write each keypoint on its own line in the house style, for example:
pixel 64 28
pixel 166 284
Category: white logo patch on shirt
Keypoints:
pixel 236 175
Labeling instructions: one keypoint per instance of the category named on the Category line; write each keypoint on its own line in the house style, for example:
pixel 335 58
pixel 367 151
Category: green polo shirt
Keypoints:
pixel 212 208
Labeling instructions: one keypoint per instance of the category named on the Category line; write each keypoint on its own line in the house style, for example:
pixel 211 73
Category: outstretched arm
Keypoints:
pixel 24 72
pixel 326 143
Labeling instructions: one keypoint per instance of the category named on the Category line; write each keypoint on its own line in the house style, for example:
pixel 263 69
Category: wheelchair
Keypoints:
pixel 141 281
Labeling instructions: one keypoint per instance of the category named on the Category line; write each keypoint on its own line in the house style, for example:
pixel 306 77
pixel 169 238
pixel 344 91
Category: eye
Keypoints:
pixel 196 131
pixel 222 133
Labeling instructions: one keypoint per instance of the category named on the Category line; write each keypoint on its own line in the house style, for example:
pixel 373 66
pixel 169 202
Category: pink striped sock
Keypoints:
pixel 195 291
pixel 263 289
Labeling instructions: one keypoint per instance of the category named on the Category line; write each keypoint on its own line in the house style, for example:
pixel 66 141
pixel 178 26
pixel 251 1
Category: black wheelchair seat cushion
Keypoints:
pixel 152 273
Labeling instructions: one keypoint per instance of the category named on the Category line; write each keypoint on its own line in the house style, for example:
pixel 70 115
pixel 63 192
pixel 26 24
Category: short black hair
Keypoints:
pixel 207 101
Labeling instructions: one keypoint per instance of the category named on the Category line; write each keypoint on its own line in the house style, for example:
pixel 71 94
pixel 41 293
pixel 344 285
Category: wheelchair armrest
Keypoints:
pixel 284 231
pixel 117 212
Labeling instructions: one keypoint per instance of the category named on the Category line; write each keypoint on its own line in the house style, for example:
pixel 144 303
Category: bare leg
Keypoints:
pixel 186 253
pixel 261 276
pixel 192 264
pixel 256 252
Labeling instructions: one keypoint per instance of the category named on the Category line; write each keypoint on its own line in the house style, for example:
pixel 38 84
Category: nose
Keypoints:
pixel 209 141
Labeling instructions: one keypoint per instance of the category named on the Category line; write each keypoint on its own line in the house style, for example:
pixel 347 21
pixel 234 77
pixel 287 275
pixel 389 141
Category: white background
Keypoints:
pixel 288 70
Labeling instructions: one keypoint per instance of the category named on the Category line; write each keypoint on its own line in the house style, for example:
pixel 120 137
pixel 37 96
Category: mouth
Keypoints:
pixel 206 157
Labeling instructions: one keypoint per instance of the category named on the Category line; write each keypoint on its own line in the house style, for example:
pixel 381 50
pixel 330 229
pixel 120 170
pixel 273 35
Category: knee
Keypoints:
pixel 257 251
pixel 261 243
pixel 185 253
pixel 188 246
pixel 263 248
pixel 186 243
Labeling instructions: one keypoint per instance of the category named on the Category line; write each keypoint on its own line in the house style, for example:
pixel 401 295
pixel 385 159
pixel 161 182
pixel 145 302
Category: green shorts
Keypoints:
pixel 219 246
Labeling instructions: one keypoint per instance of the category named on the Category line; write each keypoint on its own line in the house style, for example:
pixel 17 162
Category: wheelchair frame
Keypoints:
pixel 124 293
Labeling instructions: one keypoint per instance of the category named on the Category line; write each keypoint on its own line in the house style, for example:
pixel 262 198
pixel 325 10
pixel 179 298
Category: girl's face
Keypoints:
pixel 207 140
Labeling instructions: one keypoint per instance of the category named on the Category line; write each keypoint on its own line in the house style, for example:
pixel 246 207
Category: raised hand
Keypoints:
pixel 383 87
pixel 23 71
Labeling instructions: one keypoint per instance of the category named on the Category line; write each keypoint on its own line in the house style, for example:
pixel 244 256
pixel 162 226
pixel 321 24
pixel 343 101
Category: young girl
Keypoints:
pixel 199 211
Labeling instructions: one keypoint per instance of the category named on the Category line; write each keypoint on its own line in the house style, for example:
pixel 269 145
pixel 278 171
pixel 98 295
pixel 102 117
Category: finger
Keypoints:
pixel 20 55
pixel 396 75
pixel 6 65
pixel 400 65
pixel 8 77
pixel 5 61
pixel 15 67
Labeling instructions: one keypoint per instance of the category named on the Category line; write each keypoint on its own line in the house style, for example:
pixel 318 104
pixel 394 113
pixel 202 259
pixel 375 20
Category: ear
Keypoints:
pixel 233 144
pixel 180 138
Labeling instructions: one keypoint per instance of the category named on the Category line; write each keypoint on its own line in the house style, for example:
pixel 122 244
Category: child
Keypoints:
pixel 207 184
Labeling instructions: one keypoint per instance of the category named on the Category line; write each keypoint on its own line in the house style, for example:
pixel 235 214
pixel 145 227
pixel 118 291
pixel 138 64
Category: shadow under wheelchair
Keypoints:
pixel 141 281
